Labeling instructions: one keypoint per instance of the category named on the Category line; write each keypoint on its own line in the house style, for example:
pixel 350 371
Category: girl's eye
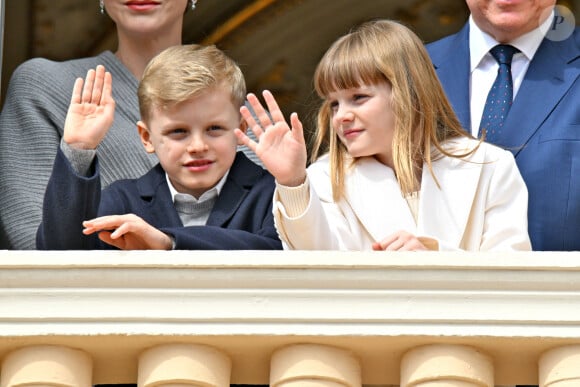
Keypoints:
pixel 333 105
pixel 358 97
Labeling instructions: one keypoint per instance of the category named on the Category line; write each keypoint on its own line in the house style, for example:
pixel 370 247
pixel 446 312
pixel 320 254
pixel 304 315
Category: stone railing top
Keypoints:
pixel 511 305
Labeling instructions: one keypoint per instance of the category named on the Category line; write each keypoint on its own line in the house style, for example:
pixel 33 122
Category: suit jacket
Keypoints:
pixel 479 204
pixel 542 130
pixel 241 218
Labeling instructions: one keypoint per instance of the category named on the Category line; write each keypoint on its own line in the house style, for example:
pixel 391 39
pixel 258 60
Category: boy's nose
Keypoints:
pixel 196 145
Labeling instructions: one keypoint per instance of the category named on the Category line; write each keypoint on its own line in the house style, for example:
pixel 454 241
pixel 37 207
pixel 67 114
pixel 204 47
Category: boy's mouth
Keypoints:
pixel 198 163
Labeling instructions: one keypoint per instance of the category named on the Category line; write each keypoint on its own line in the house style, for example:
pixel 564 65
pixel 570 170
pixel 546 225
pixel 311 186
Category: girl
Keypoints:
pixel 392 169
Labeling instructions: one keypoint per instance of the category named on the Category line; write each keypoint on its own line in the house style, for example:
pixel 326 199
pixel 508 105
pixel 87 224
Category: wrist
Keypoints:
pixel 80 145
pixel 293 182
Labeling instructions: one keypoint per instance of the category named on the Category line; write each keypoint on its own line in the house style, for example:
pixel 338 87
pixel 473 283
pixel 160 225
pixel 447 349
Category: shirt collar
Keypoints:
pixel 207 195
pixel 481 42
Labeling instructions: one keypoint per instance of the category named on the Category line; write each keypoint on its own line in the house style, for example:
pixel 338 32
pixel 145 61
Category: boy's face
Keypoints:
pixel 194 140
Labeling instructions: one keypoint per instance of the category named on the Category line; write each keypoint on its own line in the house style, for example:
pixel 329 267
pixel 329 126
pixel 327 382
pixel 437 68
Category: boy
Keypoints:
pixel 189 101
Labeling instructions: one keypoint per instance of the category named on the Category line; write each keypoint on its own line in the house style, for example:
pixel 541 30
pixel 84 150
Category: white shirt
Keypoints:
pixel 198 213
pixel 484 67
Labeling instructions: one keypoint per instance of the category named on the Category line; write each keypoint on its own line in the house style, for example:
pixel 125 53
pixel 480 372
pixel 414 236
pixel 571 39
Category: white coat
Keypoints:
pixel 481 205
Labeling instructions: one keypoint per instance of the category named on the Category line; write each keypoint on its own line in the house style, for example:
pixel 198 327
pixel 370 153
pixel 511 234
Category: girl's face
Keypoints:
pixel 363 119
pixel 146 18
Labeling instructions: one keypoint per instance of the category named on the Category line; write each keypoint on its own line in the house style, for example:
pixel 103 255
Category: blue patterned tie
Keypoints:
pixel 499 99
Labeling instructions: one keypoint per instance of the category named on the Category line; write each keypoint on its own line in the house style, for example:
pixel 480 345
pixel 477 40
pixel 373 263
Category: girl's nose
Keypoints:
pixel 343 114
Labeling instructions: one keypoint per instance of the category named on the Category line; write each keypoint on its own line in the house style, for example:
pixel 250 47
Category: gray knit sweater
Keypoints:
pixel 31 126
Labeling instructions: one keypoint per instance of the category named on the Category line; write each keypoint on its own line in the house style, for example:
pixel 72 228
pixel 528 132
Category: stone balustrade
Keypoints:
pixel 289 319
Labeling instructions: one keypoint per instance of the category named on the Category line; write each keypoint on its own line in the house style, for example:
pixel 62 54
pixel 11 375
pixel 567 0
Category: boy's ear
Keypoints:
pixel 243 127
pixel 145 137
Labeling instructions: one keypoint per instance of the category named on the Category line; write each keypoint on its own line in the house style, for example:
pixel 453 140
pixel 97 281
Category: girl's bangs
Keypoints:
pixel 348 66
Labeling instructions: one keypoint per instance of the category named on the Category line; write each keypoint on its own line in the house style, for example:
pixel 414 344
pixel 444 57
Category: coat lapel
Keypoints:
pixel 549 75
pixel 444 212
pixel 373 193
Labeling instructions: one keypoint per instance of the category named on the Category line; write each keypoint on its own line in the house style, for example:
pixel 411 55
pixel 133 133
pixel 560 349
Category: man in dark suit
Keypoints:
pixel 202 195
pixel 542 126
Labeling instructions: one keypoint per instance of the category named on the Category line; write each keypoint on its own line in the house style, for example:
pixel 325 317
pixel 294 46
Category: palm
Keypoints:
pixel 281 148
pixel 280 151
pixel 91 110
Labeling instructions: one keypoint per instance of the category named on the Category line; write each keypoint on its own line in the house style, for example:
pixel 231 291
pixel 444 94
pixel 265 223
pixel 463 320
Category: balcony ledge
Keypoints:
pixel 513 306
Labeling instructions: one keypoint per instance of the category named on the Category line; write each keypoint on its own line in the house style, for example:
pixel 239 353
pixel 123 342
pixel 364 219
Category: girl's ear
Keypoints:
pixel 145 137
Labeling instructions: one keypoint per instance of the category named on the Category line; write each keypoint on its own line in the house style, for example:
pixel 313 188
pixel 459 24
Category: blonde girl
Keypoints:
pixel 392 168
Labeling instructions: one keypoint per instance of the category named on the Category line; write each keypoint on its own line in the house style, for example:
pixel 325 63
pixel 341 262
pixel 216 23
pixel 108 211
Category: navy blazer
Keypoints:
pixel 241 218
pixel 542 130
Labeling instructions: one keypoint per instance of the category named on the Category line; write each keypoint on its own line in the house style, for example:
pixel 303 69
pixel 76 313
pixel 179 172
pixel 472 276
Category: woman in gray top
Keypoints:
pixel 32 119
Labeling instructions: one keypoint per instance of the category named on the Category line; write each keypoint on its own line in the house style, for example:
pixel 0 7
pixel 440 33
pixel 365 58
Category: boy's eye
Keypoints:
pixel 215 129
pixel 177 132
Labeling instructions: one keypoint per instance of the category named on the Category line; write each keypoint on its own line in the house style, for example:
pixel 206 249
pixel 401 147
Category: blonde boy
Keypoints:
pixel 203 194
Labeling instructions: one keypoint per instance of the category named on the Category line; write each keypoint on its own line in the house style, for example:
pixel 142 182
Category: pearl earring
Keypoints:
pixel 102 6
pixel 193 4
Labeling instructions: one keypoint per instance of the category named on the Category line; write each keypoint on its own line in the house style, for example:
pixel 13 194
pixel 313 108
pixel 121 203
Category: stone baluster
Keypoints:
pixel 560 367
pixel 441 365
pixel 47 366
pixel 313 365
pixel 184 365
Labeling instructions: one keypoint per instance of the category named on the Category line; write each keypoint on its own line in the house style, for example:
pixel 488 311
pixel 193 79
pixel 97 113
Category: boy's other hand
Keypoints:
pixel 128 232
pixel 91 110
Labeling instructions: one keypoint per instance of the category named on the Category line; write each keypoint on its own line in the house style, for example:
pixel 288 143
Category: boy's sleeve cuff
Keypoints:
pixel 79 159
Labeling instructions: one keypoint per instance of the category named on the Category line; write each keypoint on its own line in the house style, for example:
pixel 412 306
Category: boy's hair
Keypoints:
pixel 181 72
pixel 386 51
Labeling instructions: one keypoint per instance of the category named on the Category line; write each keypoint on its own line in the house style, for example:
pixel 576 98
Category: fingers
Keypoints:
pixel 263 117
pixel 243 139
pixel 87 94
pixel 77 91
pixel 273 107
pixel 107 223
pixel 246 113
pixel 97 84
pixel 249 118
pixel 297 129
pixel 400 241
pixel 107 89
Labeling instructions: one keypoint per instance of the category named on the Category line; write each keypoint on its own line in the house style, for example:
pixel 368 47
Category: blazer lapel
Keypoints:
pixel 452 64
pixel 444 212
pixel 243 175
pixel 156 199
pixel 230 198
pixel 549 75
pixel 374 194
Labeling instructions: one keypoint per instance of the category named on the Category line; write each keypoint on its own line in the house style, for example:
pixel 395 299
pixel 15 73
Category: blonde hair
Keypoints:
pixel 181 72
pixel 386 51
